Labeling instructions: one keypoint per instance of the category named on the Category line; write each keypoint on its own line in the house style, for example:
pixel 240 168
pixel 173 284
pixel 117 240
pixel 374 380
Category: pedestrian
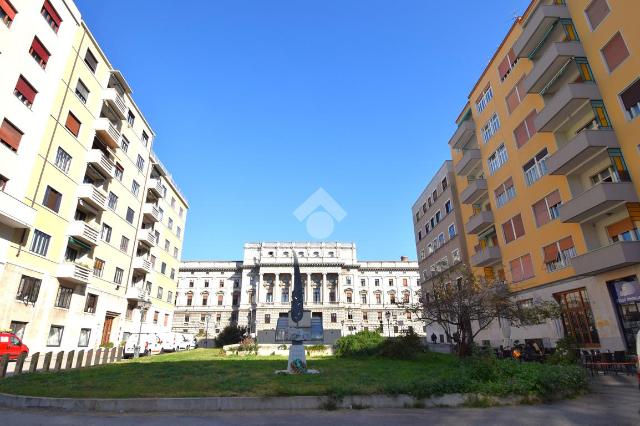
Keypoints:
pixel 434 338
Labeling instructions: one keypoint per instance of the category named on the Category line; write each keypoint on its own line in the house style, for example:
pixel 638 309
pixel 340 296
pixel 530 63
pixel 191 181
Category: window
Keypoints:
pixel 91 61
pixel 507 64
pixel 63 160
pixel 106 233
pixel 559 254
pixel 113 201
pixel 51 16
pixel 37 51
pixel 172 275
pixel 178 232
pixel 547 209
pixel 631 99
pixel 98 267
pixel 490 128
pixel 484 99
pixel 140 163
pixel 130 118
pixel 189 299
pixel 440 239
pixel 452 231
pixel 615 52
pixel 17 327
pixel 444 184
pixel 448 207
pixel 7 12
pixel 267 319
pixel 363 298
pixel 124 144
pixel 186 318
pixel 166 245
pixel 513 229
pixel 130 215
pixel 516 95
pixel 52 199
pixel 525 130
pixel 577 317
pixel 145 138
pixel 55 333
pixel 82 91
pixel 316 295
pixel 284 297
pixel 334 318
pixel 155 317
pixel 85 335
pixel 63 298
pixel 173 202
pixel 10 135
pixel 455 256
pixel 163 268
pixel 25 92
pixel 117 277
pixel 521 268
pixel 505 192
pixel 160 293
pixel 170 296
pixel 378 298
pixel 376 282
pixel 124 244
pixel 596 12
pixel 349 295
pixel 498 158
pixel 181 212
pixel 40 243
pixel 535 168
pixel 135 188
pixel 91 303
pixel 28 289
pixel 175 252
pixel 73 124
pixel 170 225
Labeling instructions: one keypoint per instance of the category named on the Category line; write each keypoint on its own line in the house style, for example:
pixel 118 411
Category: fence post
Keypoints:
pixel 58 364
pixel 33 365
pixel 89 358
pixel 69 364
pixel 19 364
pixel 120 352
pixel 112 355
pixel 4 363
pixel 80 359
pixel 105 355
pixel 96 360
pixel 47 361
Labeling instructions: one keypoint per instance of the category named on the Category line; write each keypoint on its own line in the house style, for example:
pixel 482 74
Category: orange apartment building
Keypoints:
pixel 547 161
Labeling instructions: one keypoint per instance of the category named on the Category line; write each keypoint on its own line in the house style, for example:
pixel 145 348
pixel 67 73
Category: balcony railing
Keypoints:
pixel 582 150
pixel 537 27
pixel 607 258
pixel 155 187
pixel 151 212
pixel 14 213
pixel 74 272
pixel 102 162
pixel 598 200
pixel 116 101
pixel 551 63
pixel 465 134
pixel 561 109
pixel 93 196
pixel 138 294
pixel 147 236
pixel 82 231
pixel 475 190
pixel 142 264
pixel 479 222
pixel 486 257
pixel 108 133
pixel 468 162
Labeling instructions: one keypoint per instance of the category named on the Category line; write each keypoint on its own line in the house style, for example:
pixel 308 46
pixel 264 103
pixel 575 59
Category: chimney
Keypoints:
pixel 404 258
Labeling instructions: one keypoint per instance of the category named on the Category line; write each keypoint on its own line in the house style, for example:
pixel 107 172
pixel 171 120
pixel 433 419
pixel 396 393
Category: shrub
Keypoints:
pixel 402 347
pixel 359 344
pixel 230 335
pixel 248 345
pixel 315 348
pixel 108 345
pixel 566 352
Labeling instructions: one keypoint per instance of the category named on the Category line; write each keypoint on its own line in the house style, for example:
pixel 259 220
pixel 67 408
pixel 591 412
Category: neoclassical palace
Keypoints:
pixel 349 295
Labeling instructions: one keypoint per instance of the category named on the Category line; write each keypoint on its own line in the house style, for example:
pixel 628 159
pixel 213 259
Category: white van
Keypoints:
pixel 150 343
pixel 186 342
pixel 169 341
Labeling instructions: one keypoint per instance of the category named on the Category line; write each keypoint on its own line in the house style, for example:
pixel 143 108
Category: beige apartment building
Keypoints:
pixel 91 222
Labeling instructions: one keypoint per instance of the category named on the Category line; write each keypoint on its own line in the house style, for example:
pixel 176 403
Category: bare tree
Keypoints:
pixel 464 304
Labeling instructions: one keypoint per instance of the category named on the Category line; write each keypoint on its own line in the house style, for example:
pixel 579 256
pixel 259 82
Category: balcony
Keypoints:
pixel 579 151
pixel 101 162
pixel 150 212
pixel 562 109
pixel 155 187
pixel 597 201
pixel 142 265
pixel 92 196
pixel 147 236
pixel 107 132
pixel 82 231
pixel 465 133
pixel 138 294
pixel 116 101
pixel 607 258
pixel 14 213
pixel 551 63
pixel 468 162
pixel 536 27
pixel 474 191
pixel 479 222
pixel 74 273
pixel 486 257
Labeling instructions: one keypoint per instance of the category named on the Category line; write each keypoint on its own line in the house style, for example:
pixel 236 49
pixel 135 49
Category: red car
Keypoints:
pixel 11 345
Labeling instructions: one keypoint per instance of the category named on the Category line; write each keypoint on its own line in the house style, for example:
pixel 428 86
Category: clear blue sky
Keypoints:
pixel 258 103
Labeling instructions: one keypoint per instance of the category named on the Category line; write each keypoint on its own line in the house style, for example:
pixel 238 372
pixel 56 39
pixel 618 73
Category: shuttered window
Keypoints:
pixel 10 135
pixel 631 99
pixel 39 52
pixel 516 96
pixel 52 199
pixel 547 209
pixel 521 268
pixel 596 12
pixel 513 228
pixel 559 254
pixel 91 61
pixel 25 92
pixel 615 52
pixel 525 130
pixel 7 12
pixel 507 64
pixel 624 230
pixel 73 124
pixel 51 16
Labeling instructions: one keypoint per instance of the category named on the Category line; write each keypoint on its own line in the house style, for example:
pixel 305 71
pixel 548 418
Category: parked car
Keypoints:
pixel 169 341
pixel 150 343
pixel 182 343
pixel 11 345
pixel 190 341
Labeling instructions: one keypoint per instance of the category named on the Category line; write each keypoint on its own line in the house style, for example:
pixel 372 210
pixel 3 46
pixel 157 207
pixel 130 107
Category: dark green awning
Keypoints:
pixel 80 244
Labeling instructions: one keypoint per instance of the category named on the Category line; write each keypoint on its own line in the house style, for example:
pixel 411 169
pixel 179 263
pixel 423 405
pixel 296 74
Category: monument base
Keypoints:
pixel 297 363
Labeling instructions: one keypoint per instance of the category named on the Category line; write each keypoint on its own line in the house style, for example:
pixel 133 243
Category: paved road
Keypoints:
pixel 614 402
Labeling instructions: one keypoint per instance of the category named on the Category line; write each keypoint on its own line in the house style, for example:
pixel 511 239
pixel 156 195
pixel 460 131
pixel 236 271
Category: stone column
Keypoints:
pixel 323 288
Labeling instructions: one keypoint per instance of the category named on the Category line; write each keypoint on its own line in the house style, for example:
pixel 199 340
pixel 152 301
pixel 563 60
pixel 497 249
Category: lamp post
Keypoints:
pixel 206 331
pixel 387 315
pixel 144 306
pixel 350 318
pixel 342 327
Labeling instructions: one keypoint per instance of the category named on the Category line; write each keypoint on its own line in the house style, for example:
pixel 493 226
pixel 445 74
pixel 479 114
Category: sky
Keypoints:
pixel 257 104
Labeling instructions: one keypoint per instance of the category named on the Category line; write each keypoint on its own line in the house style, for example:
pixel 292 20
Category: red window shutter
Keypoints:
pixel 8 8
pixel 631 96
pixel 596 12
pixel 615 52
pixel 550 253
pixel 527 266
pixel 521 135
pixel 507 229
pixel 620 227
pixel 10 135
pixel 508 183
pixel 511 56
pixel 54 14
pixel 518 226
pixel 504 67
pixel 73 124
pixel 553 198
pixel 530 121
pixel 516 270
pixel 541 213
pixel 512 100
pixel 520 87
pixel 26 89
pixel 499 191
pixel 566 243
pixel 39 48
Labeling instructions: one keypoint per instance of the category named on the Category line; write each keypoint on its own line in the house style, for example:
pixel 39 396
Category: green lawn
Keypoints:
pixel 208 373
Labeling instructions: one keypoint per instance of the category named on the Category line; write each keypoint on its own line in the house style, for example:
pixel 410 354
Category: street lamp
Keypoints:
pixel 387 315
pixel 206 332
pixel 144 306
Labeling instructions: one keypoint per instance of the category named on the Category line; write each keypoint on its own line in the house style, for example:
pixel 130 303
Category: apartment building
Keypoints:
pixel 438 226
pixel 87 211
pixel 345 294
pixel 546 158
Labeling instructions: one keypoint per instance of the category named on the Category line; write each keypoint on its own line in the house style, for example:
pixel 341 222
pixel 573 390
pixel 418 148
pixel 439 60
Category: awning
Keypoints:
pixel 80 244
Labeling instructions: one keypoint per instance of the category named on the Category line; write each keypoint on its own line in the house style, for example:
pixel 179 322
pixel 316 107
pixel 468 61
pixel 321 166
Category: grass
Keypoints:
pixel 205 372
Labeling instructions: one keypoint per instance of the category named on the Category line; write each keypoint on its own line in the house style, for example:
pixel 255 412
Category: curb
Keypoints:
pixel 139 405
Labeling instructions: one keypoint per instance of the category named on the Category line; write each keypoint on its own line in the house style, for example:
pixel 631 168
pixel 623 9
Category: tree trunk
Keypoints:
pixel 465 344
